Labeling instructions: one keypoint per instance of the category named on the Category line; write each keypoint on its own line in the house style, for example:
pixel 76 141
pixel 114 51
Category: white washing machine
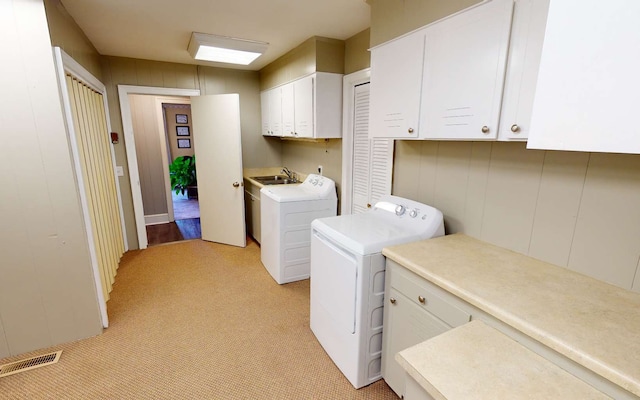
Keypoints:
pixel 286 212
pixel 347 279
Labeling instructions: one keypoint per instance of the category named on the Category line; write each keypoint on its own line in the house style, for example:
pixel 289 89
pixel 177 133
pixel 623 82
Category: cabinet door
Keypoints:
pixel 396 80
pixel 303 96
pixel 465 61
pixel 265 112
pixel 525 47
pixel 372 159
pixel 405 324
pixel 275 111
pixel 287 102
pixel 588 82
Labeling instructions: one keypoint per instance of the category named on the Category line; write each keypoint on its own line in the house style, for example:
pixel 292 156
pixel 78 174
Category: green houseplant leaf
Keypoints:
pixel 182 172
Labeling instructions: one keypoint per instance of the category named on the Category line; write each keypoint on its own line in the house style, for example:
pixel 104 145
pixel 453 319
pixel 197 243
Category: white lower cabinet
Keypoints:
pixel 252 209
pixel 413 390
pixel 413 313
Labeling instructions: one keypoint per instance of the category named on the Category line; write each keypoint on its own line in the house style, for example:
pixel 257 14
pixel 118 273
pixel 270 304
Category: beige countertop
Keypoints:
pixel 488 365
pixel 595 324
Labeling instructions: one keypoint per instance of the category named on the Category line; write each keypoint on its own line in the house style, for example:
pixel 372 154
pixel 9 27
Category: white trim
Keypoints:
pixel 156 219
pixel 349 83
pixel 65 64
pixel 164 143
pixel 129 141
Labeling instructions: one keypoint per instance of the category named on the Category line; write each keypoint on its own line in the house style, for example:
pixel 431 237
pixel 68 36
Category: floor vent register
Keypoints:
pixel 29 363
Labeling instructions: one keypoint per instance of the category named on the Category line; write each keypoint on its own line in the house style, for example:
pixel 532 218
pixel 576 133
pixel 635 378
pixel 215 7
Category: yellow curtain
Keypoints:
pixel 99 179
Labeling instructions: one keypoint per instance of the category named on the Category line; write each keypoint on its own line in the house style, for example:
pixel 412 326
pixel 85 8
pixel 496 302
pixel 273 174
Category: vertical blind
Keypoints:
pixel 99 179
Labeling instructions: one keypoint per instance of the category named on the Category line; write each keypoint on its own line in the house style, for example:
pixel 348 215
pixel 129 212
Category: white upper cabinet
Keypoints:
pixel 288 110
pixel 303 107
pixel 271 104
pixel 310 107
pixel 588 82
pixel 396 83
pixel 525 47
pixel 464 69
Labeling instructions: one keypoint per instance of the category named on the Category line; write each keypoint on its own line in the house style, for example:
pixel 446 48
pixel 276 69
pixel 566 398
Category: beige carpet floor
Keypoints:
pixel 195 320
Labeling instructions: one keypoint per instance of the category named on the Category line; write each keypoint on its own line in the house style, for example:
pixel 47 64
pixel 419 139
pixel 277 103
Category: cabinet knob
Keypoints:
pixel 410 130
pixel 368 205
pixel 421 299
pixel 485 129
pixel 392 300
pixel 515 128
pixel 236 184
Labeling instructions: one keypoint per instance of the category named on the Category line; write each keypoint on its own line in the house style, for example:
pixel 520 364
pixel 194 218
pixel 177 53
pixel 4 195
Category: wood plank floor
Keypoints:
pixel 184 229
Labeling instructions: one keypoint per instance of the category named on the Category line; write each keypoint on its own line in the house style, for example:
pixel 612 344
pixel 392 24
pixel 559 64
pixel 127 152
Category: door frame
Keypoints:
pixel 349 82
pixel 130 146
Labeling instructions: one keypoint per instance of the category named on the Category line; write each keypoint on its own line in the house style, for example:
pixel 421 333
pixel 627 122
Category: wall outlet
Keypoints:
pixel 320 169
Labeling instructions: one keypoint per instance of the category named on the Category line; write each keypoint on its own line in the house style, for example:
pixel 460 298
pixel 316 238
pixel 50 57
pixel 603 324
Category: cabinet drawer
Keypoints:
pixel 418 291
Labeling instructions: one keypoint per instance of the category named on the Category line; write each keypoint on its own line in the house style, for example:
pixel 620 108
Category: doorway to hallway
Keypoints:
pixel 185 227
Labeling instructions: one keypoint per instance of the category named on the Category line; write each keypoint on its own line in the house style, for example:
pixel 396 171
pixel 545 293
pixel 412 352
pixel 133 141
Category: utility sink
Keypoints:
pixel 273 179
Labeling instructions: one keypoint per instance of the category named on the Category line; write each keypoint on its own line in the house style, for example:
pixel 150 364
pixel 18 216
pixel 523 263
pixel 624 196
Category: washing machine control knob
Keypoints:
pixel 413 213
pixel 400 209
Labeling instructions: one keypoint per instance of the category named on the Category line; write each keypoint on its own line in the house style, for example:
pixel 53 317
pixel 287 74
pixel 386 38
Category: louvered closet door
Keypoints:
pixel 94 151
pixel 372 158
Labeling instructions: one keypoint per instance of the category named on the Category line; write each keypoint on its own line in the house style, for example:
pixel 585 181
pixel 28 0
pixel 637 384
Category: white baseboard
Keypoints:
pixel 156 219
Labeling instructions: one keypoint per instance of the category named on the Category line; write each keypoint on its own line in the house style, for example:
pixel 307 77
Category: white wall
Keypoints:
pixel 47 291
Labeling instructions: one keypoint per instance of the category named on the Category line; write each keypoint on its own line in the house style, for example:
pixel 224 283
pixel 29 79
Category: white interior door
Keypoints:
pixel 217 145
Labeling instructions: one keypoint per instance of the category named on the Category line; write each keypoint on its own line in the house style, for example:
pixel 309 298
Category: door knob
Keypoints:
pixel 236 184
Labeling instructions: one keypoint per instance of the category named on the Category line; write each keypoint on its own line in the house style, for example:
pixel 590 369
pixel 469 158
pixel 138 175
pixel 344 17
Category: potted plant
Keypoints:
pixel 182 172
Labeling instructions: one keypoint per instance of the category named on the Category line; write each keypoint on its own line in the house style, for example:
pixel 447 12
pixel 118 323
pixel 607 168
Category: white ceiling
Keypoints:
pixel 160 29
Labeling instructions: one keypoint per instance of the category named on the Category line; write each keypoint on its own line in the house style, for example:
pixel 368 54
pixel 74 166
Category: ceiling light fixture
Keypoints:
pixel 225 49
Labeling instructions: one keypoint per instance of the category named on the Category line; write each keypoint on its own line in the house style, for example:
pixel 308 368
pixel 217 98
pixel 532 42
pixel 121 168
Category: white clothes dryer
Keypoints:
pixel 347 279
pixel 286 212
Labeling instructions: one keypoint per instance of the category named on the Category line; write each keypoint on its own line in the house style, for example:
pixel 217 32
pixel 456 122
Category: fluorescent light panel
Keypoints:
pixel 225 49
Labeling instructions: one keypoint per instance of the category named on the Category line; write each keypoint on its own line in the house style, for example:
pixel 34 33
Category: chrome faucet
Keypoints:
pixel 289 174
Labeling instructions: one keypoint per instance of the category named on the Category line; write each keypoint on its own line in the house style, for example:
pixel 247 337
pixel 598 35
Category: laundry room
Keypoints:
pixel 494 203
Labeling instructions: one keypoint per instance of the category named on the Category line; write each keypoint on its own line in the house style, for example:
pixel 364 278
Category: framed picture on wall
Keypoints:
pixel 184 143
pixel 182 119
pixel 182 130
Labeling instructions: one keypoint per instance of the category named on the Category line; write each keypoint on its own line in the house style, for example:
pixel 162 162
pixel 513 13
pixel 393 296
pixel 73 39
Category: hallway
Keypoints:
pixel 186 226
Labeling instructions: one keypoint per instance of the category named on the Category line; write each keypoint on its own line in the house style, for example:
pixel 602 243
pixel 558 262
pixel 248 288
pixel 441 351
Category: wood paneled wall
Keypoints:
pixel 572 209
pixel 67 35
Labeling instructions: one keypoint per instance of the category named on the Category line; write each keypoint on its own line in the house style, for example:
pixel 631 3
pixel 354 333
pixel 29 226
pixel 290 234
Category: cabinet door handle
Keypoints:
pixel 410 130
pixel 392 300
pixel 236 184
pixel 368 205
pixel 421 299
pixel 515 128
pixel 485 129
